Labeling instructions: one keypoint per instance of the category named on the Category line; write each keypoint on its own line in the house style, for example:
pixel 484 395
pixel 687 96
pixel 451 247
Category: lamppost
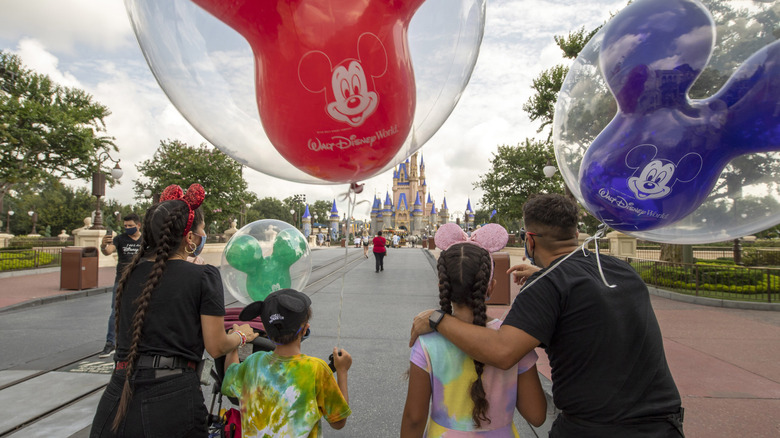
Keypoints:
pixel 118 217
pixel 8 221
pixel 292 213
pixel 244 211
pixel 99 186
pixel 549 171
pixel 34 217
pixel 298 202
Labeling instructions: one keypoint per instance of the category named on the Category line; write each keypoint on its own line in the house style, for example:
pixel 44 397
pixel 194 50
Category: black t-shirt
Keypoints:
pixel 604 344
pixel 126 249
pixel 172 324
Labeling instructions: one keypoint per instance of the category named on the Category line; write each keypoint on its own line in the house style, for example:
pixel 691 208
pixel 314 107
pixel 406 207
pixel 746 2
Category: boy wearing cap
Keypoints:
pixel 284 393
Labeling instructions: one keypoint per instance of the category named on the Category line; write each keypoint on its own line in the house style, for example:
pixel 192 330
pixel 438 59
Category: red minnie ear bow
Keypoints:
pixel 193 198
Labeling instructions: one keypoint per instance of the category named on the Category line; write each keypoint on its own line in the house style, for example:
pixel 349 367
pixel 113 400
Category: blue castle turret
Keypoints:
pixel 375 211
pixel 306 222
pixel 417 215
pixel 387 212
pixel 468 216
pixel 444 213
pixel 334 222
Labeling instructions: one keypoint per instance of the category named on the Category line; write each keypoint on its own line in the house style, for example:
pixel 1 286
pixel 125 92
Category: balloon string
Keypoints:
pixel 595 239
pixel 350 196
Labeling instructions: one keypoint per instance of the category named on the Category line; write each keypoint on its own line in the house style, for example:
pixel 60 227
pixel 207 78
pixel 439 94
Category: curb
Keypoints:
pixel 713 302
pixel 56 298
pixel 25 272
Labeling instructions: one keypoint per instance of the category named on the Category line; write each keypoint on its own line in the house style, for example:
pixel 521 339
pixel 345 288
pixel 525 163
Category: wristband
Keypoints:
pixel 242 338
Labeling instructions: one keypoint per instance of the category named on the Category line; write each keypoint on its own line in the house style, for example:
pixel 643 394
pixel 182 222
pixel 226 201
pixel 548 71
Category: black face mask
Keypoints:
pixel 131 231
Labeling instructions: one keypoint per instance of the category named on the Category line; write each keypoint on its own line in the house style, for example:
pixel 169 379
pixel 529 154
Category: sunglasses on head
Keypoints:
pixel 523 233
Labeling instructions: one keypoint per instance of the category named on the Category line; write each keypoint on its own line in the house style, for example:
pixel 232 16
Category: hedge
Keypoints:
pixel 712 278
pixel 24 260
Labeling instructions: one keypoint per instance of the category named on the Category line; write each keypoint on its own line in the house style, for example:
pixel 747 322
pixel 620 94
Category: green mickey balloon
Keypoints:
pixel 265 274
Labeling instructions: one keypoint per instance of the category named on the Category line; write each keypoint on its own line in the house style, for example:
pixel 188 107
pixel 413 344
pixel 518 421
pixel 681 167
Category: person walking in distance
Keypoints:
pixel 380 250
pixel 126 246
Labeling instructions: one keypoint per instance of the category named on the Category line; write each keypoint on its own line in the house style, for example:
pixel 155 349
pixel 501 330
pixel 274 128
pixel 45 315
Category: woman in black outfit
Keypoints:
pixel 167 311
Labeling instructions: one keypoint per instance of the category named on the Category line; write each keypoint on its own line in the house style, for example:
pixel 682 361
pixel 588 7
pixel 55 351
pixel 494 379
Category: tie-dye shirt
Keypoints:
pixel 284 396
pixel 452 373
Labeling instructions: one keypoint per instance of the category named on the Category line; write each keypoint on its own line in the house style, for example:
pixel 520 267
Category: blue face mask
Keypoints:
pixel 528 256
pixel 200 245
pixel 130 231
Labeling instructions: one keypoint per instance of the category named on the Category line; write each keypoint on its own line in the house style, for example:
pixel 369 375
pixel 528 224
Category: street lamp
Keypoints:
pixel 8 222
pixel 549 171
pixel 99 186
pixel 34 217
pixel 292 213
pixel 147 193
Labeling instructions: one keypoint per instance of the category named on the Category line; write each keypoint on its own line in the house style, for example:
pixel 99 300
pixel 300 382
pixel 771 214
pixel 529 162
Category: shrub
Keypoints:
pixel 24 260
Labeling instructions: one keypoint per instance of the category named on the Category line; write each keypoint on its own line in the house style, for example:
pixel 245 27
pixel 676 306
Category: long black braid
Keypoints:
pixel 464 274
pixel 164 225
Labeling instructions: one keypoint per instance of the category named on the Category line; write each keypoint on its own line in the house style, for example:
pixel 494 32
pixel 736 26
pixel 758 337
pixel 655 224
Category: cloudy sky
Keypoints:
pixel 90 44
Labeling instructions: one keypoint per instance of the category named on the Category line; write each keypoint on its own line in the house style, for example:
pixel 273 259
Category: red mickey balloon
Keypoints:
pixel 333 79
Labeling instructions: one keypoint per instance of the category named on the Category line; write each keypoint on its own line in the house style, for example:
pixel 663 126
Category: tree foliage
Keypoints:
pixel 541 106
pixel 176 162
pixel 46 129
pixel 516 173
pixel 58 205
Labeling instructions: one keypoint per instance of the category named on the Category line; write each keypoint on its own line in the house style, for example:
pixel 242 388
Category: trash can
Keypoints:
pixel 425 243
pixel 79 269
pixel 431 244
pixel 501 291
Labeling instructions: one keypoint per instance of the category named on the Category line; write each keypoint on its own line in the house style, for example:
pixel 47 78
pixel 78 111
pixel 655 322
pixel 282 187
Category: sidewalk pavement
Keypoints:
pixel 726 362
pixel 42 286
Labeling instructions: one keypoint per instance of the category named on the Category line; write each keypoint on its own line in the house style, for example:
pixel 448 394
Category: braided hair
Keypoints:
pixel 164 225
pixel 464 274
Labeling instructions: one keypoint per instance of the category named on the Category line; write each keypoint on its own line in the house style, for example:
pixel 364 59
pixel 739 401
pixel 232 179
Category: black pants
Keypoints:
pixel 380 258
pixel 565 427
pixel 168 407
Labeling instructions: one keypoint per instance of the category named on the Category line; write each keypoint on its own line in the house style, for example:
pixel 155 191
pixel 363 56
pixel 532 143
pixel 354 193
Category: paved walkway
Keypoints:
pixel 726 362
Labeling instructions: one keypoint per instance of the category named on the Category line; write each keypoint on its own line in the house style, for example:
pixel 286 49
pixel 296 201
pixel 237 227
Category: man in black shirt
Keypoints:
pixel 609 371
pixel 126 246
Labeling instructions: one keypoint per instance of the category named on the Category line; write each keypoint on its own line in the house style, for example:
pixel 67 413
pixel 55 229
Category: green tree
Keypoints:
pixel 322 209
pixel 176 162
pixel 271 208
pixel 515 174
pixel 58 205
pixel 46 129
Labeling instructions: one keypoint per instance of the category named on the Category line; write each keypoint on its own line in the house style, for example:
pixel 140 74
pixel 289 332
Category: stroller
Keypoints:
pixel 228 425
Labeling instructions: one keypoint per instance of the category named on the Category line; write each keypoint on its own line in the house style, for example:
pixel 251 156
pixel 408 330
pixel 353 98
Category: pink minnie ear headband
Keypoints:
pixel 490 237
pixel 193 198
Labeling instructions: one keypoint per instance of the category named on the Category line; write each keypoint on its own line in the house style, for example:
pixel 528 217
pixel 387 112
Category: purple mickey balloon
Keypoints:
pixel 661 155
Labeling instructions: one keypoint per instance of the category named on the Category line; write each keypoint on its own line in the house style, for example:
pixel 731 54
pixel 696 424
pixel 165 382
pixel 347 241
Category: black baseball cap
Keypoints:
pixel 282 312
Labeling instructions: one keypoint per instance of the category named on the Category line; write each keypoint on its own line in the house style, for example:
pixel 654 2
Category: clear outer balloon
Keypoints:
pixel 262 257
pixel 314 91
pixel 645 156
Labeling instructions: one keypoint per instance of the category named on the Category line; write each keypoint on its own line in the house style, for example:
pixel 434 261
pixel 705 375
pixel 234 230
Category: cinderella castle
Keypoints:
pixel 411 207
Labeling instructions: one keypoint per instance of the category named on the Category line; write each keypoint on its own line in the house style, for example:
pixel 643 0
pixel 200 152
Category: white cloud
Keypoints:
pixel 89 43
pixel 63 25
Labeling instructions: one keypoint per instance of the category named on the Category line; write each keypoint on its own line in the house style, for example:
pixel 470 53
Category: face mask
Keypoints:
pixel 130 231
pixel 528 256
pixel 200 245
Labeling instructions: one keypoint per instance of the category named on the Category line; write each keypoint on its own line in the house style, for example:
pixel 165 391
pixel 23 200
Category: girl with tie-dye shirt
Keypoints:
pixel 467 398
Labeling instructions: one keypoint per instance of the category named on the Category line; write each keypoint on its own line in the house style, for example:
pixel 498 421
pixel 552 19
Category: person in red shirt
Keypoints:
pixel 379 251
